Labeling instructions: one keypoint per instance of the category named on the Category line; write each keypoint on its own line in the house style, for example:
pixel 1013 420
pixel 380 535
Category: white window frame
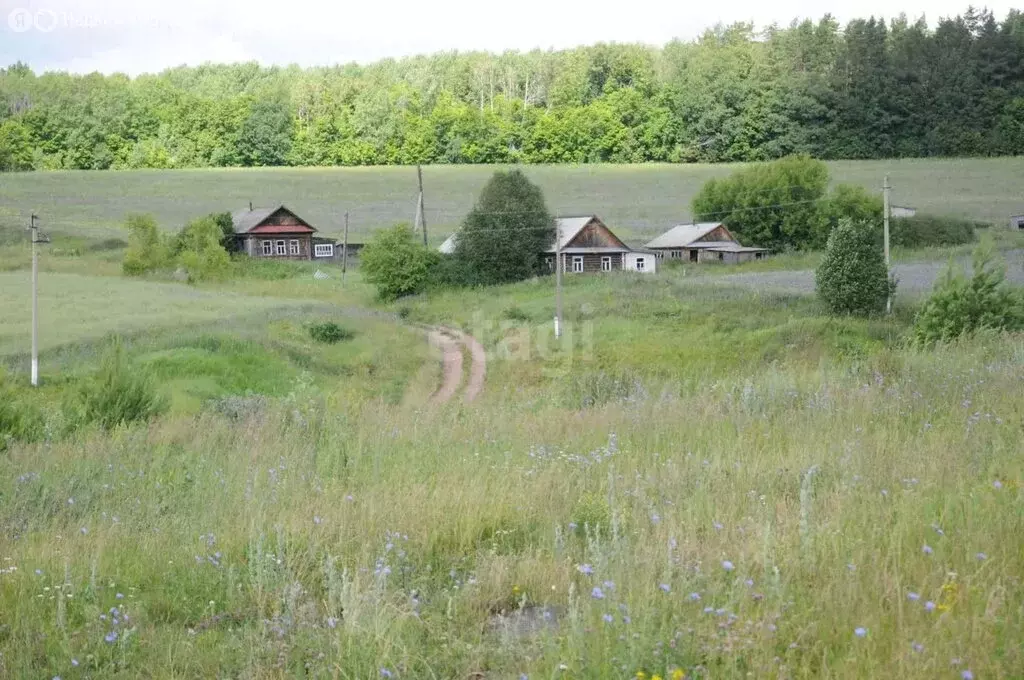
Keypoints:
pixel 676 255
pixel 267 247
pixel 323 250
pixel 293 247
pixel 606 263
pixel 641 264
pixel 280 247
pixel 577 260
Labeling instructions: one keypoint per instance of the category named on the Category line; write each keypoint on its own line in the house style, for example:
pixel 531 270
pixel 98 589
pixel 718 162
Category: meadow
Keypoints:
pixel 637 201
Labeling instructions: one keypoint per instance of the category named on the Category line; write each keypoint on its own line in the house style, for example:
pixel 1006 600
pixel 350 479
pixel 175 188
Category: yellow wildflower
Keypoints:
pixel 678 674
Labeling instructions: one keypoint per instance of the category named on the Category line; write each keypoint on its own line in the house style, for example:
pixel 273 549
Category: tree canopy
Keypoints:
pixel 506 232
pixel 869 89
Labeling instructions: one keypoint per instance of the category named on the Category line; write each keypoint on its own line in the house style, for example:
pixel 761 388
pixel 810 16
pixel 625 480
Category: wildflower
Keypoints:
pixel 929 606
pixel 597 593
pixel 655 677
pixel 83 531
pixel 749 582
pixel 627 620
pixel 119 596
pixel 39 572
pixel 727 565
pixel 997 484
pixel 349 498
pixel 708 610
pixel 608 618
pixel 860 632
pixel 655 518
pixel 317 519
pixel 572 526
pixel 717 526
pixel 111 636
pixel 666 587
pixel 678 674
pixel 927 549
pixel 385 673
pixel 332 622
pixel 982 557
pixel 585 569
pixel 640 675
pixel 74 662
pixel 967 675
pixel 695 597
pixel 524 676
pixel 610 585
pixel 938 530
pixel 913 597
pixel 917 647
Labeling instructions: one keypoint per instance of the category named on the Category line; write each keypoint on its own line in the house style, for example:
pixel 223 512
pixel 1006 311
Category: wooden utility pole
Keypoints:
pixel 34 230
pixel 344 251
pixel 885 222
pixel 421 209
pixel 558 283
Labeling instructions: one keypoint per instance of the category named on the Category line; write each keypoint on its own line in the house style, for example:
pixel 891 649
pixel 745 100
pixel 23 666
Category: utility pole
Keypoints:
pixel 344 251
pixel 558 283
pixel 422 211
pixel 885 221
pixel 34 229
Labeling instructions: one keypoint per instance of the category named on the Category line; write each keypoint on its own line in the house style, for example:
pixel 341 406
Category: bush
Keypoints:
pixel 200 251
pixel 452 272
pixel 120 393
pixel 147 251
pixel 922 231
pixel 960 306
pixel 396 263
pixel 329 333
pixel 514 313
pixel 504 235
pixel 852 277
pixel 19 421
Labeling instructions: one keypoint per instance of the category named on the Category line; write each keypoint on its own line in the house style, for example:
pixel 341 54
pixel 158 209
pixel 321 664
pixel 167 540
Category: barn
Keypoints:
pixel 704 242
pixel 280 234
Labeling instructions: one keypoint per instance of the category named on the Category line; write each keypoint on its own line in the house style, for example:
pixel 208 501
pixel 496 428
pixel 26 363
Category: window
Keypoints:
pixel 268 247
pixel 640 264
pixel 721 257
pixel 676 254
pixel 577 264
pixel 606 264
pixel 550 262
pixel 280 249
pixel 293 247
pixel 323 250
pixel 759 256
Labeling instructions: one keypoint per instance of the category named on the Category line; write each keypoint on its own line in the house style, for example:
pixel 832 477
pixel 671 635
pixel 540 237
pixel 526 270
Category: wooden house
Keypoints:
pixel 587 245
pixel 279 233
pixel 898 211
pixel 705 242
pixel 1017 222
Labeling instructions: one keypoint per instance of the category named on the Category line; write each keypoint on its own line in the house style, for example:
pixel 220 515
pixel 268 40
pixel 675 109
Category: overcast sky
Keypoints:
pixel 136 36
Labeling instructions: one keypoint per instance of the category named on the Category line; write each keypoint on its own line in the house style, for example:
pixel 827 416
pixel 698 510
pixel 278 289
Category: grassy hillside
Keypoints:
pixel 749 521
pixel 638 201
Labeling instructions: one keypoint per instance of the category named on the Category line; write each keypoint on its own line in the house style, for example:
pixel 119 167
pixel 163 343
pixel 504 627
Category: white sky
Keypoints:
pixel 149 35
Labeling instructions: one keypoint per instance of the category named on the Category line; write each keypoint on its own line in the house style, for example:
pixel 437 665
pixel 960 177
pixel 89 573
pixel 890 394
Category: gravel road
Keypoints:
pixel 914 278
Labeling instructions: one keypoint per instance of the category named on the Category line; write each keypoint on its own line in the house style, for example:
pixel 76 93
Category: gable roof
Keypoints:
pixel 448 247
pixel 683 235
pixel 567 229
pixel 246 220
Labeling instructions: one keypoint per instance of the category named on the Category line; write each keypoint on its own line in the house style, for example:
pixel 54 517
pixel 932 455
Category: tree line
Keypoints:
pixel 869 89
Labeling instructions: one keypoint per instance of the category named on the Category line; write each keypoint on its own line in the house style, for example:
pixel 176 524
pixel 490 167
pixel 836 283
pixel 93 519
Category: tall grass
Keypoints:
pixel 328 538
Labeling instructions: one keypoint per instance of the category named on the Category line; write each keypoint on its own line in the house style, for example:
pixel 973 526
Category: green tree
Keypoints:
pixel 266 135
pixel 15 147
pixel 848 202
pixel 772 205
pixel 397 263
pixel 200 251
pixel 959 305
pixel 506 232
pixel 147 251
pixel 852 277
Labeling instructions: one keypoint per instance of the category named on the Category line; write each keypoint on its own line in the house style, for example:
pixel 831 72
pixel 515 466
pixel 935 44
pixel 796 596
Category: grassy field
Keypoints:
pixel 638 201
pixel 758 493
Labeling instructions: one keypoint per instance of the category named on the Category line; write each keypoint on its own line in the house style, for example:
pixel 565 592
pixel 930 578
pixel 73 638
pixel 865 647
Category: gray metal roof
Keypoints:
pixel 448 247
pixel 683 235
pixel 244 220
pixel 736 248
pixel 567 229
pixel 592 251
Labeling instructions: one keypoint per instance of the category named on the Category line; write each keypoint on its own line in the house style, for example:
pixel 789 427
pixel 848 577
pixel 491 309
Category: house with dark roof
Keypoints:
pixel 704 242
pixel 279 233
pixel 586 245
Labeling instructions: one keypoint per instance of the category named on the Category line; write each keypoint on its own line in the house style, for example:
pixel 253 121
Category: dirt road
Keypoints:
pixel 454 345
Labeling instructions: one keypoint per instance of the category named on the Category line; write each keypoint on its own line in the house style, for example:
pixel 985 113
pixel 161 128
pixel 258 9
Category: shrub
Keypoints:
pixel 200 251
pixel 852 277
pixel 922 231
pixel 960 306
pixel 329 333
pixel 19 421
pixel 396 263
pixel 452 272
pixel 514 313
pixel 740 201
pixel 848 202
pixel 147 250
pixel 504 235
pixel 119 393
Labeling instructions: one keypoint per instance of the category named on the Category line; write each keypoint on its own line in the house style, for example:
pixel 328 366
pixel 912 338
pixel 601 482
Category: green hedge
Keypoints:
pixel 923 231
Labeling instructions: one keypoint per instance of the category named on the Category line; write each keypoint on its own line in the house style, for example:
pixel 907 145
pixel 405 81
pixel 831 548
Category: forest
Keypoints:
pixel 870 89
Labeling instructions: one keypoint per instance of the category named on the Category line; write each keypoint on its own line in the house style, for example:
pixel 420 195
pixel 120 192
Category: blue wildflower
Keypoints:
pixel 927 549
pixel 119 596
pixel 982 556
pixel 695 597
pixel 608 618
pixel 967 675
pixel 913 597
pixel 666 587
pixel 727 565
pixel 929 606
pixel 385 673
pixel 860 632
pixel 597 593
pixel 111 636
pixel 917 647
pixel 585 569
pixel 610 585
